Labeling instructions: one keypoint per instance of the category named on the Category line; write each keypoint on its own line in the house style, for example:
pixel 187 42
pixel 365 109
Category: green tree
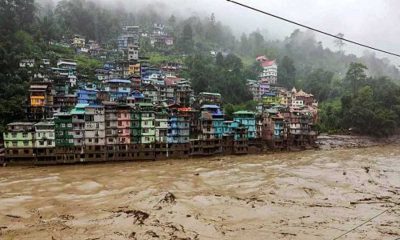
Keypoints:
pixel 286 72
pixel 355 76
pixel 187 39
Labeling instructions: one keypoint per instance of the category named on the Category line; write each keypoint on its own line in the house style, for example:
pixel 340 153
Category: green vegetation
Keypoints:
pixel 352 91
pixel 368 106
pixel 225 76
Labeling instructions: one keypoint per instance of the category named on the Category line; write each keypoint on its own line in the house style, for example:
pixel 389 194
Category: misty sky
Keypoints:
pixel 374 23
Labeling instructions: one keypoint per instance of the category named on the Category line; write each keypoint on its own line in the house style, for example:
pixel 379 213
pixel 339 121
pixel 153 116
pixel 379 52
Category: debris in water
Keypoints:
pixel 66 217
pixel 152 234
pixel 132 235
pixel 168 199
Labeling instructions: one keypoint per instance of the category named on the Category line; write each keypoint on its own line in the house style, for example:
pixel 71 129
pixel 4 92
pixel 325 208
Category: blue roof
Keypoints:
pixel 210 106
pixel 271 94
pixel 118 81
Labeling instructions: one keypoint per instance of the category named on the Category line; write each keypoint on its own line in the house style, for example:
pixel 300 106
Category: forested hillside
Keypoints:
pixel 27 28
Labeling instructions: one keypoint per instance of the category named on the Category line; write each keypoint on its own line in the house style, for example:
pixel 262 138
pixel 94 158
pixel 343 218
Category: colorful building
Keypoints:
pixel 19 141
pixel 63 129
pixel 247 119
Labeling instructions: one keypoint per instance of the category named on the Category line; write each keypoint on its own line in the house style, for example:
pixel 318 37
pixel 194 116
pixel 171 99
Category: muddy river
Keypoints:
pixel 302 195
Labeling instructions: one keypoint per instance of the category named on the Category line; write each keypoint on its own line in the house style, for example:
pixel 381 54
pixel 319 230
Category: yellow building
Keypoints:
pixel 134 69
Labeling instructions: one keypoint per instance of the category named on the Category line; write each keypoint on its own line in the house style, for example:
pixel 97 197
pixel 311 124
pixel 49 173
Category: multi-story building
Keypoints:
pixel 94 125
pixel 44 135
pixel 178 126
pixel 118 88
pixel 19 141
pixel 78 41
pixel 212 121
pixel 124 124
pixel 151 92
pixel 95 133
pixel 63 129
pixel 87 94
pixel 247 119
pixel 269 72
pixel 111 122
pixel 130 34
pixel 161 124
pixel 40 101
pixel 78 124
pixel 142 123
pixel 147 122
pixel 133 51
pixel 184 93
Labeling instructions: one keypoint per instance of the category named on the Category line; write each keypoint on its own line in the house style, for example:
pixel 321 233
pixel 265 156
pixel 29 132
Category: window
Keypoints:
pixel 41 143
pixel 26 143
pixel 24 135
pixel 14 143
pixel 49 142
pixel 63 125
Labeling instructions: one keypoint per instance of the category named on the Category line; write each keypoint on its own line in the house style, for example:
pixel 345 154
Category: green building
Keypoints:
pixel 142 123
pixel 63 130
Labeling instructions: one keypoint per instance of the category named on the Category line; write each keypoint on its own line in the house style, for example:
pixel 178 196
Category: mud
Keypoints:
pixel 302 195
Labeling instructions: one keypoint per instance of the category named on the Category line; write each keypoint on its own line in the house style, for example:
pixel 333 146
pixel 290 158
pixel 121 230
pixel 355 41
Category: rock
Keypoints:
pixel 13 216
pixel 366 169
pixel 188 215
pixel 196 174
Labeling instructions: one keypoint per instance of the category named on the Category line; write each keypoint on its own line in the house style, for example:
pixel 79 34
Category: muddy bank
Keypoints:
pixel 328 142
pixel 302 195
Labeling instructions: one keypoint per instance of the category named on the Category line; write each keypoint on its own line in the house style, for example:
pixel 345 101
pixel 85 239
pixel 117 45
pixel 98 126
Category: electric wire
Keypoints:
pixel 313 29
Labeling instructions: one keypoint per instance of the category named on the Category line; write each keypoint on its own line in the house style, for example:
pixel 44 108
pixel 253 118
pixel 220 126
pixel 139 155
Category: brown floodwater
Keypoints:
pixel 302 195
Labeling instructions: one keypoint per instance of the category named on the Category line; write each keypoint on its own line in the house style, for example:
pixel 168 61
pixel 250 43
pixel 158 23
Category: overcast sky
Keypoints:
pixel 374 23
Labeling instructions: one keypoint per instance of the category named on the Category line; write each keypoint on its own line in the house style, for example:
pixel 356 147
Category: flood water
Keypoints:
pixel 302 195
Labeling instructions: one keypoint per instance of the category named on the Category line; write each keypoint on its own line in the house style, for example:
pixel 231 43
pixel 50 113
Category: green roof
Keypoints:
pixel 79 108
pixel 243 113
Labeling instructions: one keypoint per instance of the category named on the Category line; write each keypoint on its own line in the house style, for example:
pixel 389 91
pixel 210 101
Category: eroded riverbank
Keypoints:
pixel 302 195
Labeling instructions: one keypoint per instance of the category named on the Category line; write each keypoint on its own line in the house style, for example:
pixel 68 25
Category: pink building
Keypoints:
pixel 124 124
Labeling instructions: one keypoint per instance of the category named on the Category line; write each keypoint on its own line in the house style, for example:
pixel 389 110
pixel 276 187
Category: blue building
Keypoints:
pixel 247 119
pixel 87 94
pixel 178 127
pixel 118 88
pixel 212 121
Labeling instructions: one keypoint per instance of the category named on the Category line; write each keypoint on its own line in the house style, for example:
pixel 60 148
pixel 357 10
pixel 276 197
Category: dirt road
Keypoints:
pixel 302 195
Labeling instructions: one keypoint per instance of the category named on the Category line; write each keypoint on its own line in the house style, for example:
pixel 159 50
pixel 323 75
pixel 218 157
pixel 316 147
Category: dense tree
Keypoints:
pixel 319 82
pixel 355 77
pixel 187 39
pixel 287 72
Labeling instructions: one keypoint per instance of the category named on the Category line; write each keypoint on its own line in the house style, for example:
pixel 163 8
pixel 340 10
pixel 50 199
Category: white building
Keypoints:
pixel 44 135
pixel 269 73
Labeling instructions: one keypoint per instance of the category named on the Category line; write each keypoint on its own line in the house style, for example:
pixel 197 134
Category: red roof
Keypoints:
pixel 261 58
pixel 267 63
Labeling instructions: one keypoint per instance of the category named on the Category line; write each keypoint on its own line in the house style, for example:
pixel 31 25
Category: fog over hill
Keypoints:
pixel 372 23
